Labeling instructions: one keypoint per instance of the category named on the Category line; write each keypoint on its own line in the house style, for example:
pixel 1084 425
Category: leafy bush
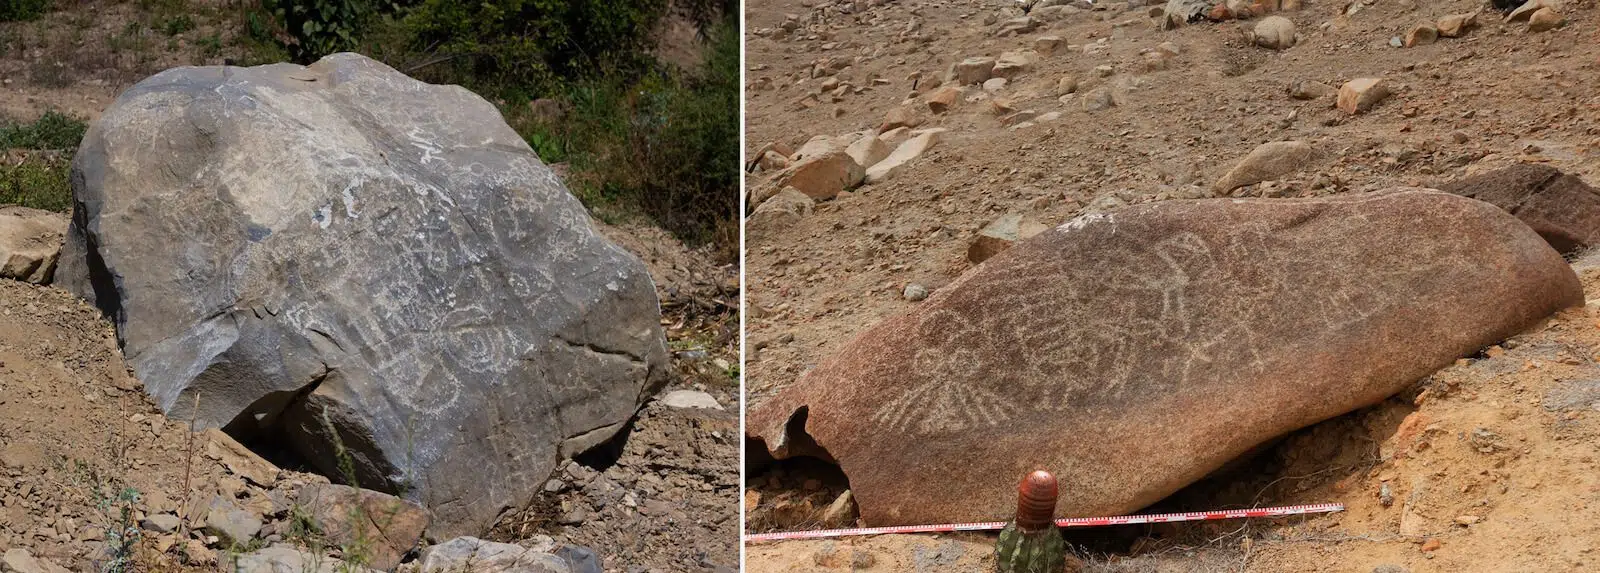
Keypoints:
pixel 51 131
pixel 21 10
pixel 315 28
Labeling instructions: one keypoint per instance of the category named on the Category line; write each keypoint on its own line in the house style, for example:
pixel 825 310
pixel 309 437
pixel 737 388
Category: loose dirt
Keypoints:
pixel 1493 458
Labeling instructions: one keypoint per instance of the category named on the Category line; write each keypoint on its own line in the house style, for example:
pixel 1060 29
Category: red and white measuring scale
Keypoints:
pixel 1065 522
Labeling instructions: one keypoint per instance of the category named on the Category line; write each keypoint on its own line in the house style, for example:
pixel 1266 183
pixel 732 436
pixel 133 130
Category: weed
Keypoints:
pixel 52 130
pixel 177 25
pixel 39 182
pixel 210 46
pixel 22 10
pixel 115 502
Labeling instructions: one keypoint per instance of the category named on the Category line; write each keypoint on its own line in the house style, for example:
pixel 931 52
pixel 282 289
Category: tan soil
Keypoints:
pixel 1512 97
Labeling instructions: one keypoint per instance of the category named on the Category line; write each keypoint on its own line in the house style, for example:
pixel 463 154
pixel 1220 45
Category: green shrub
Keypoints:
pixel 22 10
pixel 315 28
pixel 52 130
pixel 37 182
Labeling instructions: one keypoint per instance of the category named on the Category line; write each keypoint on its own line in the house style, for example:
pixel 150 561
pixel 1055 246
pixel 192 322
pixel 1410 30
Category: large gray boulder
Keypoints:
pixel 1135 351
pixel 340 251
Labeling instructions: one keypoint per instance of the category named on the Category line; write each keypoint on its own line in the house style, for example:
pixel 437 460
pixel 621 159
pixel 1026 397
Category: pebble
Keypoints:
pixel 1360 94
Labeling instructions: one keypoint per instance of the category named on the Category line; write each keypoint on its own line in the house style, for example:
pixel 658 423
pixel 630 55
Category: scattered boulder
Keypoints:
pixel 1360 94
pixel 1457 25
pixel 1048 45
pixel 1012 64
pixel 340 250
pixel 974 70
pixel 1309 89
pixel 390 526
pixel 1275 33
pixel 235 526
pixel 822 177
pixel 160 523
pixel 907 151
pixel 1098 99
pixel 1561 207
pixel 999 235
pixel 1526 10
pixel 1421 35
pixel 779 212
pixel 1017 26
pixel 1266 162
pixel 479 556
pixel 943 99
pixel 868 150
pixel 30 242
pixel 1087 350
pixel 899 117
pixel 1544 20
pixel 280 558
pixel 19 560
pixel 1179 12
pixel 684 399
pixel 914 292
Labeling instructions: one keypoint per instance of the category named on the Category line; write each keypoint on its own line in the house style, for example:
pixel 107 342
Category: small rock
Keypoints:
pixel 821 177
pixel 780 211
pixel 390 525
pixel 1047 45
pixel 1066 85
pixel 1527 9
pixel 1385 495
pixel 907 151
pixel 1275 33
pixel 689 399
pixel 1388 568
pixel 1468 519
pixel 1308 90
pixel 1018 118
pixel 899 117
pixel 1266 162
pixel 1421 35
pixel 943 99
pixel 1544 20
pixel 1016 26
pixel 30 243
pixel 915 292
pixel 994 84
pixel 236 527
pixel 1013 64
pixel 1104 71
pixel 19 560
pixel 1431 545
pixel 479 556
pixel 1455 25
pixel 974 70
pixel 842 512
pixel 1359 95
pixel 999 235
pixel 1098 99
pixel 161 523
pixel 579 559
pixel 868 150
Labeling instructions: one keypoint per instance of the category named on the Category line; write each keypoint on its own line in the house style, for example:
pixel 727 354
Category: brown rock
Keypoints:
pixel 903 154
pixel 899 117
pixel 943 99
pixel 1066 85
pixel 239 460
pixel 773 161
pixel 1455 25
pixel 19 560
pixel 1275 33
pixel 1432 544
pixel 1544 20
pixel 868 150
pixel 1359 95
pixel 1048 45
pixel 1266 162
pixel 974 70
pixel 1526 10
pixel 1307 89
pixel 999 235
pixel 30 243
pixel 1560 207
pixel 1421 35
pixel 1089 349
pixel 1013 64
pixel 822 177
pixel 779 212
pixel 1220 13
pixel 390 526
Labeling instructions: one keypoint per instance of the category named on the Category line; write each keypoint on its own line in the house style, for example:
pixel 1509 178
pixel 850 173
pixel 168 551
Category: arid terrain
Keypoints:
pixel 1488 465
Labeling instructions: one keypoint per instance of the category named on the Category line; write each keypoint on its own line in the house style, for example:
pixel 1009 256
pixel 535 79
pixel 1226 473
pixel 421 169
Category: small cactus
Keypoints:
pixel 1031 543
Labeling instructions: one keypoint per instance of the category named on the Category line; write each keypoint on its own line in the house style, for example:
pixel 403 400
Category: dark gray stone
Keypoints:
pixel 340 246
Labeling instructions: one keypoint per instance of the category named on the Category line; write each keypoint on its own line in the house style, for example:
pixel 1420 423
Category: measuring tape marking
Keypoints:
pixel 1064 522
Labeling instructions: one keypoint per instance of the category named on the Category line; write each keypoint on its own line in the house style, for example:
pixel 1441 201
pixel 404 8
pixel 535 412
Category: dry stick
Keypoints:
pixel 188 463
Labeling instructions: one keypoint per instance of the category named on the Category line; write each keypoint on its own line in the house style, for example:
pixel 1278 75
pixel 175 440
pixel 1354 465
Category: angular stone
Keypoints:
pixel 235 526
pixel 690 399
pixel 282 558
pixel 1048 45
pixel 1136 351
pixel 239 460
pixel 779 212
pixel 1275 33
pixel 974 70
pixel 1559 206
pixel 907 151
pixel 1421 35
pixel 1359 95
pixel 388 525
pixel 340 250
pixel 479 556
pixel 1456 25
pixel 999 235
pixel 1308 89
pixel 1066 85
pixel 943 99
pixel 1013 64
pixel 1544 20
pixel 1017 26
pixel 868 150
pixel 899 117
pixel 19 560
pixel 822 177
pixel 30 242
pixel 1526 10
pixel 161 523
pixel 1266 162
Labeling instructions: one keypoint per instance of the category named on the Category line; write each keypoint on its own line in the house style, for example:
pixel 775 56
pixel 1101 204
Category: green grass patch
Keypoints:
pixel 37 182
pixel 52 130
pixel 22 10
